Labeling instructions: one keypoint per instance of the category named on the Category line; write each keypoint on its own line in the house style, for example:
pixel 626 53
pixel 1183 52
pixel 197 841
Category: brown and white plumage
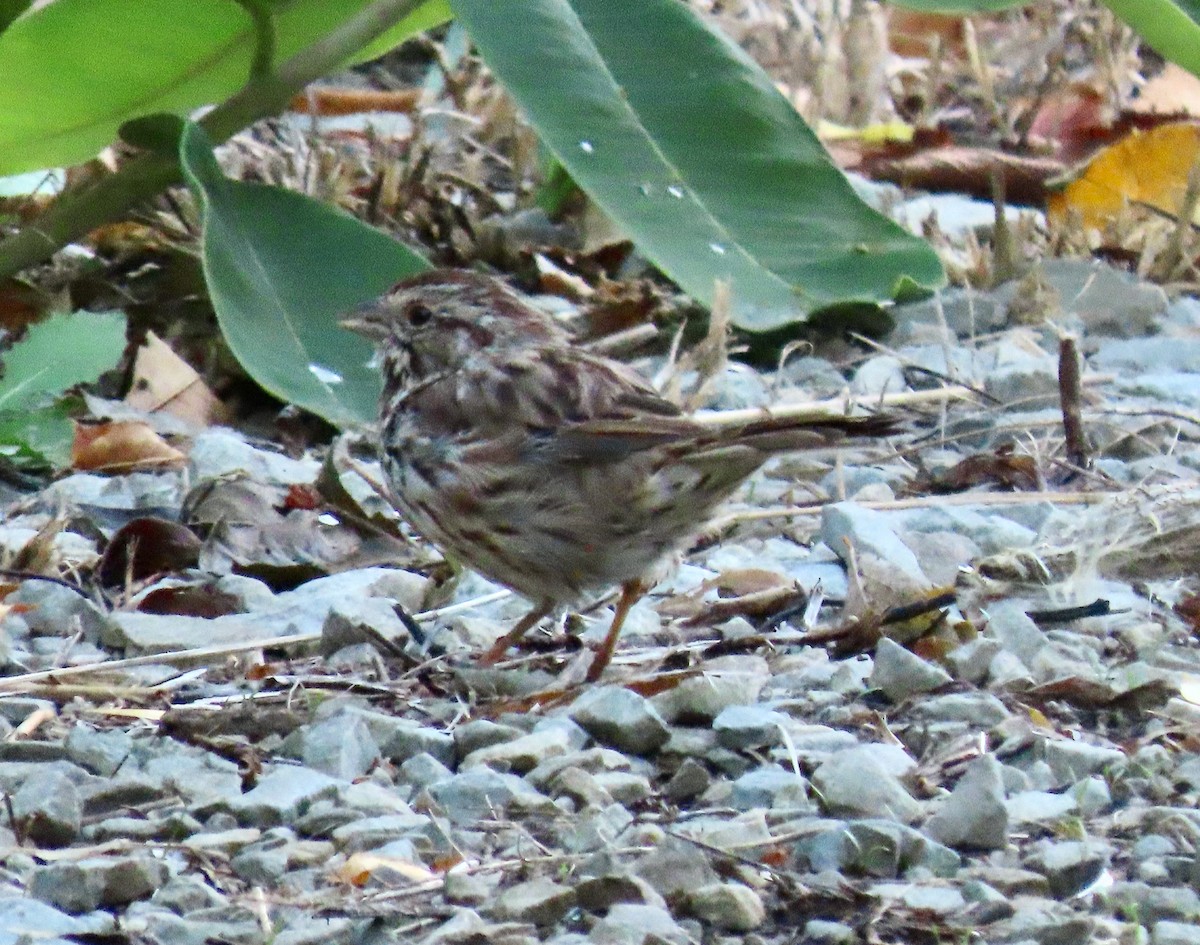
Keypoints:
pixel 547 468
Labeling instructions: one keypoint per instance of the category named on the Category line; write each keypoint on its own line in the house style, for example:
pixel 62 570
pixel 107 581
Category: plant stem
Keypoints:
pixel 75 214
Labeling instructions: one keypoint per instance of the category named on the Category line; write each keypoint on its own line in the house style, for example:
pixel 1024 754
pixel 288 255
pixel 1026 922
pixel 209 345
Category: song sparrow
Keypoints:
pixel 549 469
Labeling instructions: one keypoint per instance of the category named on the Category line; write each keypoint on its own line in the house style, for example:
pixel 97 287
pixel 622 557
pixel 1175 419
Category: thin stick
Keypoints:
pixel 1070 395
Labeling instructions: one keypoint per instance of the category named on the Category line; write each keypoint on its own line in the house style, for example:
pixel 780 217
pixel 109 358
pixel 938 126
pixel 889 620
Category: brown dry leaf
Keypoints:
pixel 21 304
pixel 970 171
pixel 164 381
pixel 743 591
pixel 121 446
pixel 1149 168
pixel 145 547
pixel 359 868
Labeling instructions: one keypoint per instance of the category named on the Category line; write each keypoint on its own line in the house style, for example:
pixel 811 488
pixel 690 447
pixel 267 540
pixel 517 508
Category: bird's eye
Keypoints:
pixel 419 315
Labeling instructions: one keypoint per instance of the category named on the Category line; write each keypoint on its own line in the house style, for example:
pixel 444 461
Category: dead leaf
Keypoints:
pixel 964 170
pixel 1149 168
pixel 1002 468
pixel 360 867
pixel 121 446
pixel 145 547
pixel 164 381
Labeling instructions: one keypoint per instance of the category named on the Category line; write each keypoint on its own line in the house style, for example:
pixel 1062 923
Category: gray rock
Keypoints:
pixel 1039 807
pixel 726 681
pixel 675 867
pixel 422 770
pixel 1175 933
pixel 48 809
pixel 980 710
pixel 1072 761
pixel 100 752
pixel 281 795
pixel 1011 627
pixel 880 374
pixel 770 787
pixel 633 924
pixel 340 746
pixel 690 780
pixel 974 815
pixel 901 674
pixel 538 901
pixel 729 906
pixel 369 833
pixel 478 793
pixel 482 733
pixel 870 532
pixel 619 717
pixel 219 452
pixel 156 633
pixel 856 782
pixel 624 787
pixel 1069 866
pixel 600 893
pixel 521 754
pixel 1042 921
pixel 1154 904
pixel 596 828
pixel 469 889
pixel 359 620
pixel 90 883
pixel 822 932
pixel 401 739
pixel 746 727
pixel 52 610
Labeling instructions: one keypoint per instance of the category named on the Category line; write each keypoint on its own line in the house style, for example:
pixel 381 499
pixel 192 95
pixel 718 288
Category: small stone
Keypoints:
pixel 730 906
pixel 48 809
pixel 1175 933
pixel 521 754
pixel 100 752
pixel 539 901
pixel 1011 627
pixel 823 932
pixel 746 727
pixel 973 816
pixel 482 733
pixel 619 717
pixel 599 893
pixel 422 770
pixel 90 883
pixel 770 787
pixel 689 781
pixel 1069 866
pixel 901 674
pixel 855 782
pixel 1039 807
pixel 1073 761
pixel 479 793
pixel 633 924
pixel 361 620
pixel 281 795
pixel 675 868
pixel 726 681
pixel 340 746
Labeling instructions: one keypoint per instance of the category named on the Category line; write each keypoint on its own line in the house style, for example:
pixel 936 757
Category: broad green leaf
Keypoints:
pixel 39 437
pixel 961 6
pixel 688 146
pixel 1170 27
pixel 59 353
pixel 73 71
pixel 10 10
pixel 281 268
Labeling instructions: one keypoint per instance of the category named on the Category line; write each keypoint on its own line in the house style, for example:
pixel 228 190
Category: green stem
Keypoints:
pixel 263 19
pixel 77 213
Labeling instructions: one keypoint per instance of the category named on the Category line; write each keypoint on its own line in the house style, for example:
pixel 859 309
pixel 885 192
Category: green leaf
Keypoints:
pixel 1170 28
pixel 10 10
pixel 281 268
pixel 59 353
pixel 73 71
pixel 37 438
pixel 964 7
pixel 688 146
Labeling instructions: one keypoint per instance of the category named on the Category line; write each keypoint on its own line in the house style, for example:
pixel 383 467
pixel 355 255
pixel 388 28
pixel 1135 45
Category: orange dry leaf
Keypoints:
pixel 1149 168
pixel 359 868
pixel 121 446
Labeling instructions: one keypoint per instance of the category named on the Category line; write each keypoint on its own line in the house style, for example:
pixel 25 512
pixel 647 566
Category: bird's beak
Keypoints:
pixel 365 320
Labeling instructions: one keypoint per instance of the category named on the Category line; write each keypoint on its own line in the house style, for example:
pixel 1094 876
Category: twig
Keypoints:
pixel 1070 395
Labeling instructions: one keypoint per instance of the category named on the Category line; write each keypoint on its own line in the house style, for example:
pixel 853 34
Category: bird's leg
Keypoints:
pixel 523 626
pixel 631 593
